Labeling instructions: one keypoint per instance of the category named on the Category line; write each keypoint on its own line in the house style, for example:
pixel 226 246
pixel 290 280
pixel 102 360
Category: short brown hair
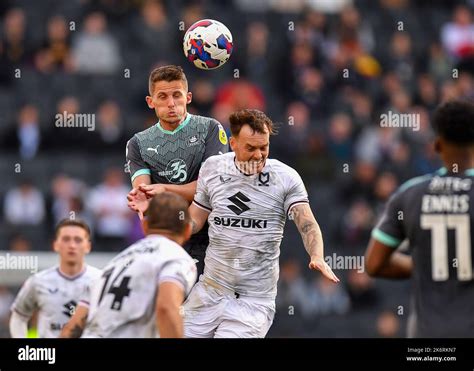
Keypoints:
pixel 72 223
pixel 256 119
pixel 168 211
pixel 166 73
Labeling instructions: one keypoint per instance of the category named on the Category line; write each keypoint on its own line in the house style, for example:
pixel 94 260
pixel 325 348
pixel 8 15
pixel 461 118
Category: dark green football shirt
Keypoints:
pixel 175 157
pixel 435 213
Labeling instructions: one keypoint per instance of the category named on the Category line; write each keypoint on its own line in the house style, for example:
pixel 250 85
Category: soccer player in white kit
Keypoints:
pixel 141 290
pixel 54 292
pixel 246 197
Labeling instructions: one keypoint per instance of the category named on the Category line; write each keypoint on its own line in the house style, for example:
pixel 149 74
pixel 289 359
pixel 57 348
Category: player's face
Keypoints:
pixel 169 100
pixel 251 149
pixel 72 244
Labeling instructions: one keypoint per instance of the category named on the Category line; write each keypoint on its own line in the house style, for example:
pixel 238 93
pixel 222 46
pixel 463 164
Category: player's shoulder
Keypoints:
pixel 172 250
pixel 92 272
pixel 213 161
pixel 418 183
pixel 203 120
pixel 281 168
pixel 49 274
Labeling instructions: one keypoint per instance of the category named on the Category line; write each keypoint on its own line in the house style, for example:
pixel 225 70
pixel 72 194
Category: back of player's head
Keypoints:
pixel 257 120
pixel 454 122
pixel 168 211
pixel 71 223
pixel 166 73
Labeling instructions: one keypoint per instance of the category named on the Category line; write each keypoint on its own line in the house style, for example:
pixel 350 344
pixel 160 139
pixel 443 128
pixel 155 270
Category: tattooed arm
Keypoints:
pixel 77 323
pixel 312 238
pixel 198 216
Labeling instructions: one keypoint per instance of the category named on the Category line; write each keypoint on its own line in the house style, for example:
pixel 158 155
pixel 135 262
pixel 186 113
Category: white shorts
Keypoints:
pixel 214 311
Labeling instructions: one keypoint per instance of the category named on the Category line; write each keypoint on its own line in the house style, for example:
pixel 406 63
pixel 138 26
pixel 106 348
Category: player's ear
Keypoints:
pixel 54 245
pixel 149 102
pixel 232 143
pixel 188 231
pixel 189 97
pixel 88 246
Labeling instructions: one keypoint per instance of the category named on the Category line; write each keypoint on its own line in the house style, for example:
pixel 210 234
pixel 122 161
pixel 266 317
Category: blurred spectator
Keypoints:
pixel 292 291
pixel 326 297
pixel 26 138
pixel 19 243
pixel 151 31
pixel 108 203
pixel 339 137
pixel 362 291
pixel 63 190
pixel 55 53
pixel 458 36
pixel 203 98
pixel 14 36
pixel 109 135
pixel 24 205
pixel 95 50
pixel 357 223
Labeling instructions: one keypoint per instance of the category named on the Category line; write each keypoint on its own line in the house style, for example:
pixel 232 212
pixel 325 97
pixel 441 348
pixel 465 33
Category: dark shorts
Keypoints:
pixel 196 247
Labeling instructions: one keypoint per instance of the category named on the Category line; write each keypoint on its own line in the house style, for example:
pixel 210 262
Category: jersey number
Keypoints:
pixel 439 225
pixel 118 291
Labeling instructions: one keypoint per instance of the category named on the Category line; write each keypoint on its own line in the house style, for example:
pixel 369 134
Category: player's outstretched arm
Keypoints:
pixel 77 323
pixel 198 217
pixel 186 191
pixel 168 317
pixel 312 239
pixel 18 325
pixel 383 261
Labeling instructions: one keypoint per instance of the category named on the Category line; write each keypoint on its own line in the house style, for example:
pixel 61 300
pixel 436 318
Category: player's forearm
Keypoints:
pixel 309 230
pixel 186 191
pixel 170 322
pixel 18 326
pixel 398 266
pixel 76 325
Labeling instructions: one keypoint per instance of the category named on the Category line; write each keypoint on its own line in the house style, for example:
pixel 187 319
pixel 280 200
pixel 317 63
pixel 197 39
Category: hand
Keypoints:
pixel 318 263
pixel 151 189
pixel 138 202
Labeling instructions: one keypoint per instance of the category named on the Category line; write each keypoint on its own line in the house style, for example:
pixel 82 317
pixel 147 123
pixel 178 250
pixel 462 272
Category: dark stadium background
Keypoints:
pixel 324 70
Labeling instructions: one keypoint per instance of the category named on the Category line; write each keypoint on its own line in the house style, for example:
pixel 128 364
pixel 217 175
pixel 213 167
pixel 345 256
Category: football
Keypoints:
pixel 208 44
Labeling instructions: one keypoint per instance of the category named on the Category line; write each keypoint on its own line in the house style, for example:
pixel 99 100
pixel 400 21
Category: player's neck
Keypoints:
pixel 459 160
pixel 71 269
pixel 171 126
pixel 163 233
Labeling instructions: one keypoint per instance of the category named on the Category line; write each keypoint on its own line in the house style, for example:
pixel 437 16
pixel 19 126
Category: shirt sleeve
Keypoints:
pixel 180 271
pixel 389 230
pixel 135 162
pixel 201 197
pixel 296 192
pixel 216 140
pixel 25 302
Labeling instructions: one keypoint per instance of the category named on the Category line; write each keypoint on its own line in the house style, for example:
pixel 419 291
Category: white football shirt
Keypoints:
pixel 55 296
pixel 122 301
pixel 246 221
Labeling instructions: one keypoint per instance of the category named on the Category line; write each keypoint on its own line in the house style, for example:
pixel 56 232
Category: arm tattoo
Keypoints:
pixel 308 228
pixel 78 328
